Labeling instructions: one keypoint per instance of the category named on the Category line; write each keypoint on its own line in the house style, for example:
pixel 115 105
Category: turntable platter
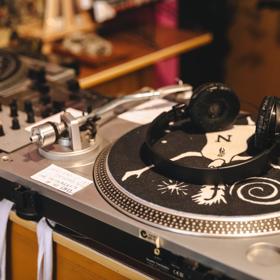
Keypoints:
pixel 11 69
pixel 9 64
pixel 245 208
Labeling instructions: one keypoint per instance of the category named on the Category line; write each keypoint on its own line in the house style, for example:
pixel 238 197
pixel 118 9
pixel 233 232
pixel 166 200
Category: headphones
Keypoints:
pixel 215 107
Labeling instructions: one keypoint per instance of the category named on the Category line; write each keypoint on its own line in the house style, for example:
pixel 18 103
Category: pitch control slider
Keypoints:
pixel 48 133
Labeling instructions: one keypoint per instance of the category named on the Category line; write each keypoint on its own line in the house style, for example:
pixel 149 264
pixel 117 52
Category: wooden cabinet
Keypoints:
pixel 72 260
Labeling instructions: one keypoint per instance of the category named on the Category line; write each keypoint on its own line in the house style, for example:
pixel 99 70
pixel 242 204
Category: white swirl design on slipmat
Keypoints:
pixel 257 184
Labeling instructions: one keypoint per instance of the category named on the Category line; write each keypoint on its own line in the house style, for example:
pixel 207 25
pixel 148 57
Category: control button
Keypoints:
pixel 157 251
pixel 74 88
pixel 13 108
pixel 2 133
pixel 14 103
pixel 28 106
pixel 44 90
pixel 264 254
pixel 38 75
pixel 32 73
pixel 26 203
pixel 15 123
pixel 13 111
pixel 58 106
pixel 30 117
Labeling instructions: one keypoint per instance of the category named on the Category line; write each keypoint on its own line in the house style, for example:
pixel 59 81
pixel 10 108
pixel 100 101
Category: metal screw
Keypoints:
pixel 5 158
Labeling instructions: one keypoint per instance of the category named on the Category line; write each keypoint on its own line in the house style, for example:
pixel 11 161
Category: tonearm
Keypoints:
pixel 49 132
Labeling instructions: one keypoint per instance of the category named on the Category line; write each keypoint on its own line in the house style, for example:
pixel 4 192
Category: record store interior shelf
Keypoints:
pixel 132 53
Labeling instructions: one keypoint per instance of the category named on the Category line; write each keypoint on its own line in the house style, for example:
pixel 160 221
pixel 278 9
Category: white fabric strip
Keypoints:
pixel 45 251
pixel 5 208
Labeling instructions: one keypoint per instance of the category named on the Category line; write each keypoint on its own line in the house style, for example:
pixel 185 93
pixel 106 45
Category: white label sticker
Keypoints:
pixel 146 112
pixel 61 179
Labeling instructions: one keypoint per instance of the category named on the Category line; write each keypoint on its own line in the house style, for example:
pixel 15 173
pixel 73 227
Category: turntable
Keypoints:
pixel 128 208
pixel 17 72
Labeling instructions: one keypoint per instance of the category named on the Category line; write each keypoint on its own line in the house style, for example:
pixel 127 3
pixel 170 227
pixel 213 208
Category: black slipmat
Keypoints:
pixel 249 207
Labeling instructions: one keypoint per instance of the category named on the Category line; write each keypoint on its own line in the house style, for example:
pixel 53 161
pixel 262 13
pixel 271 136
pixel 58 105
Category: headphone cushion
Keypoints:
pixel 213 106
pixel 263 135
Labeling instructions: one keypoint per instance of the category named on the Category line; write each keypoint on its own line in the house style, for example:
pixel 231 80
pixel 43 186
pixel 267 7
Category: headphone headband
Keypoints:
pixel 212 176
pixel 214 107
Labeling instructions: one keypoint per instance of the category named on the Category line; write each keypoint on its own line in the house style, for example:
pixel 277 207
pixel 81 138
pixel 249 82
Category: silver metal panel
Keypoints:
pixel 13 139
pixel 233 256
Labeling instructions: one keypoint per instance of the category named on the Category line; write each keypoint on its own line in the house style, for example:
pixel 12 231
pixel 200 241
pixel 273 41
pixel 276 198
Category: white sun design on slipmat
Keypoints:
pixel 176 187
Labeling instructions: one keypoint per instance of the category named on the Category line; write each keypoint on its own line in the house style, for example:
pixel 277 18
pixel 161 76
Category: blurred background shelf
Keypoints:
pixel 132 52
pixel 130 65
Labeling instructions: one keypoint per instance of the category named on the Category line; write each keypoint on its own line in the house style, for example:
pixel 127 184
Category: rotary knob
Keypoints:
pixel 28 106
pixel 38 75
pixel 13 108
pixel 58 106
pixel 74 88
pixel 2 133
pixel 30 117
pixel 15 123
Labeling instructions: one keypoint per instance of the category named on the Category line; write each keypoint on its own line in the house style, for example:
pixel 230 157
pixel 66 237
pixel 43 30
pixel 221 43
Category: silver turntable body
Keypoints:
pixel 244 256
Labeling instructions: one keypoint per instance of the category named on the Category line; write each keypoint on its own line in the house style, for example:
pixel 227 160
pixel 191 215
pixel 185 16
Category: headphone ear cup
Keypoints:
pixel 213 106
pixel 267 124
